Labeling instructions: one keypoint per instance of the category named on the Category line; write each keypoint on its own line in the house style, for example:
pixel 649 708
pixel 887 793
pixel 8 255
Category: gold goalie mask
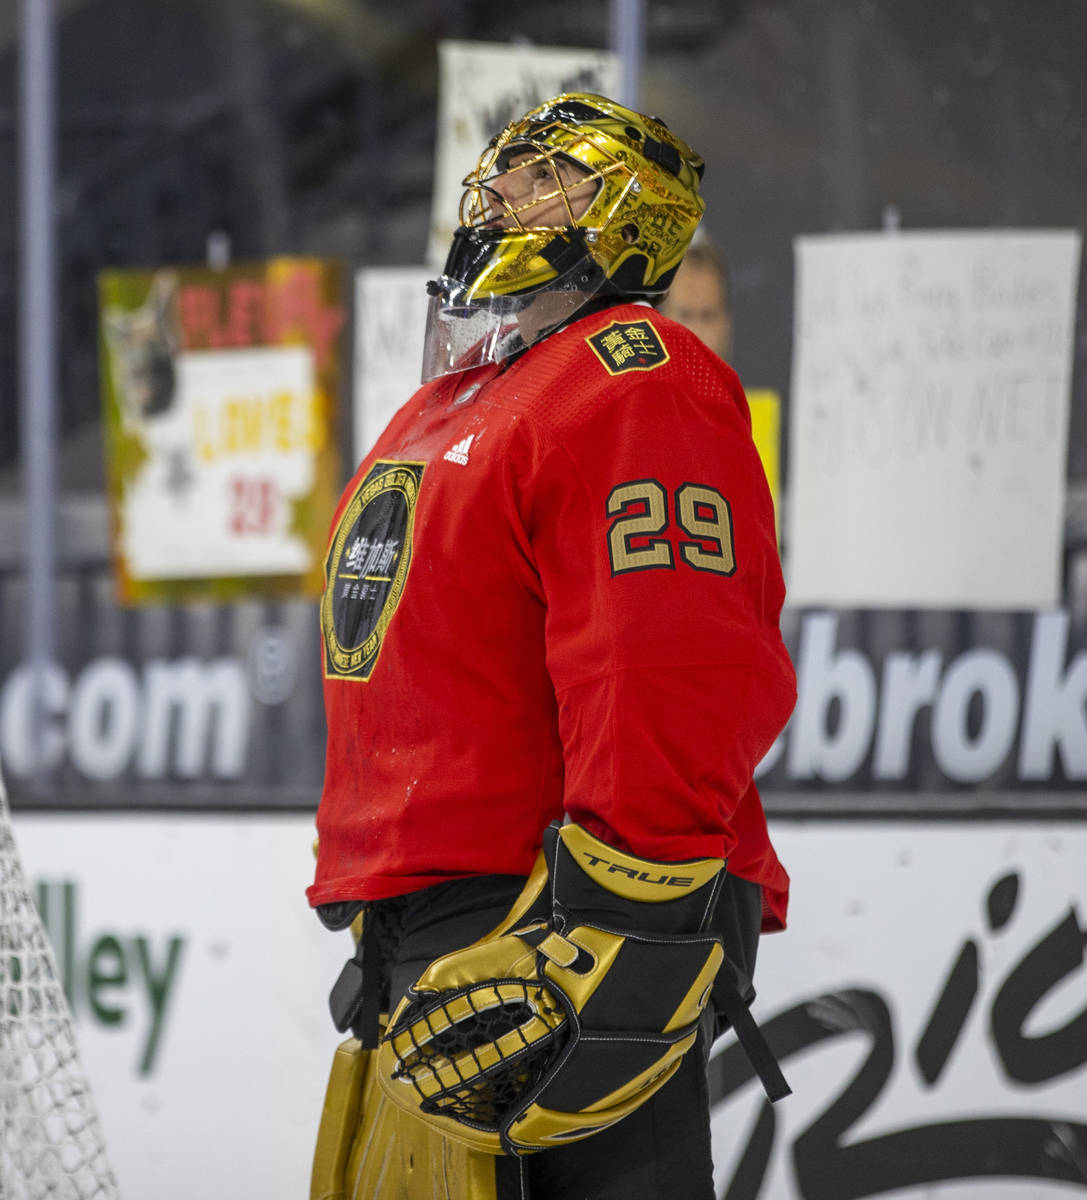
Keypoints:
pixel 580 197
pixel 568 1016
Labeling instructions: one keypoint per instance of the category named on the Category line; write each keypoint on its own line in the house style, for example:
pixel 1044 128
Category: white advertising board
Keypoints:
pixel 928 1003
pixel 929 1006
pixel 198 980
pixel 482 86
pixel 390 320
pixel 929 418
pixel 978 716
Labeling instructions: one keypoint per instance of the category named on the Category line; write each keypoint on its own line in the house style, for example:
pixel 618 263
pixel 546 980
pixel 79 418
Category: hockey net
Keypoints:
pixel 51 1145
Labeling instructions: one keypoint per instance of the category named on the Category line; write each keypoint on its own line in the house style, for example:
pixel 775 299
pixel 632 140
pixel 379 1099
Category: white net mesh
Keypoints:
pixel 51 1145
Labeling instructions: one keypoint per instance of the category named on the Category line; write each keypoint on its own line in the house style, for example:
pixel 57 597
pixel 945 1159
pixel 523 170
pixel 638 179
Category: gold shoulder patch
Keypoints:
pixel 628 346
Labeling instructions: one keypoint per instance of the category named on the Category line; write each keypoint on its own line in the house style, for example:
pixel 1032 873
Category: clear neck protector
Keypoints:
pixel 465 330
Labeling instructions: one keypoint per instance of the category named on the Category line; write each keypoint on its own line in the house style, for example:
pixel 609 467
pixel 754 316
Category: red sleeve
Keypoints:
pixel 652 529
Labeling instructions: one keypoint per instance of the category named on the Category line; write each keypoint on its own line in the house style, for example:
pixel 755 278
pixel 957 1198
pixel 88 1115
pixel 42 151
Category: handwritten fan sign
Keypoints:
pixel 390 321
pixel 929 421
pixel 219 394
pixel 482 86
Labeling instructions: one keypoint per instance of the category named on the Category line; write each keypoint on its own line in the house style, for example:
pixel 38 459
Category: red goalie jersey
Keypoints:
pixel 554 588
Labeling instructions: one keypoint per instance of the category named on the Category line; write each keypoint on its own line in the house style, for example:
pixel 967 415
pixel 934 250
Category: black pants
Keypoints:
pixel 660 1150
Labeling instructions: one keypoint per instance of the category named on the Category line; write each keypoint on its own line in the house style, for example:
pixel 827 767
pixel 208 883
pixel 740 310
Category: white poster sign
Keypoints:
pixel 227 460
pixel 928 1004
pixel 390 320
pixel 481 87
pixel 929 418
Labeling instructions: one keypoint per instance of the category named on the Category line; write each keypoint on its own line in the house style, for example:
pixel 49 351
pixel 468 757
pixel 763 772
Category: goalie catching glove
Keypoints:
pixel 572 1013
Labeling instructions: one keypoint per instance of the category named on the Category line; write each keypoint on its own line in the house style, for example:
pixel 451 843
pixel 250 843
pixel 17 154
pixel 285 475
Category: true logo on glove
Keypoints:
pixel 665 880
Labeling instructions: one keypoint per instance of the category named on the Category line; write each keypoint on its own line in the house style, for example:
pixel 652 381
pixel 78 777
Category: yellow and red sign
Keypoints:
pixel 220 393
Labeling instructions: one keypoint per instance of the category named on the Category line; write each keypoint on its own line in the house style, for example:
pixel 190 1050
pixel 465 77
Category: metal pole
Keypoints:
pixel 37 345
pixel 628 43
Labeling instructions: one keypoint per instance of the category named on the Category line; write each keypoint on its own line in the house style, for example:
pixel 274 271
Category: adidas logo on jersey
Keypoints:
pixel 459 452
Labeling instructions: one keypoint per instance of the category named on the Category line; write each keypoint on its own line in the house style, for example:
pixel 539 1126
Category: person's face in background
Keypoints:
pixel 697 299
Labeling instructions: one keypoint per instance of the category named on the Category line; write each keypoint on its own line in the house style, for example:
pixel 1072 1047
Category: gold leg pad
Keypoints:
pixel 369 1150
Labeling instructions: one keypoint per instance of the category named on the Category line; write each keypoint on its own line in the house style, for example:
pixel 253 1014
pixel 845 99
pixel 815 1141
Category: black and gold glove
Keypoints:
pixel 572 1013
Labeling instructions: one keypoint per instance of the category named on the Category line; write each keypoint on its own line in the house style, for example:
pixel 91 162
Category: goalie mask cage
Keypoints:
pixel 51 1145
